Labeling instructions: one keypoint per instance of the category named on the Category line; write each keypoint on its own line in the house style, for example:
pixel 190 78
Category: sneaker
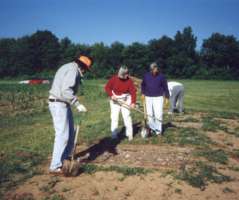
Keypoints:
pixel 57 172
pixel 159 133
pixel 130 138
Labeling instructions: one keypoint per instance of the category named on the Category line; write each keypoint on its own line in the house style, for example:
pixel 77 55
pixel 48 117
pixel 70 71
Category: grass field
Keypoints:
pixel 26 133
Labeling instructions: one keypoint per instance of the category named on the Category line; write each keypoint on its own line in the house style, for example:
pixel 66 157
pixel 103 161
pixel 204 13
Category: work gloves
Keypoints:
pixel 81 108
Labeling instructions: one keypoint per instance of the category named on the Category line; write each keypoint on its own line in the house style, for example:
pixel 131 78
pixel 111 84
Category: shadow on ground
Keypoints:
pixel 109 145
pixel 106 144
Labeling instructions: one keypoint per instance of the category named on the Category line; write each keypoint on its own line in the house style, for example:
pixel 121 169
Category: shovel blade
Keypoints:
pixel 71 167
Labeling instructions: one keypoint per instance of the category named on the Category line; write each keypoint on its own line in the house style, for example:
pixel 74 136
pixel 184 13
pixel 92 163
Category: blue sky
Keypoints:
pixel 127 21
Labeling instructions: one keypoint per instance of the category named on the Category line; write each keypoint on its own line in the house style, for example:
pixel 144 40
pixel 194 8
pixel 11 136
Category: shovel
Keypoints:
pixel 145 130
pixel 72 167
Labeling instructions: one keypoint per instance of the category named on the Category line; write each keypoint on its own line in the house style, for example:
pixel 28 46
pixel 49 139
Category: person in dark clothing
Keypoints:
pixel 154 88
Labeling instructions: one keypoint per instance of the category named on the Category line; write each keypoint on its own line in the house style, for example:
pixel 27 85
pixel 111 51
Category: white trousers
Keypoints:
pixel 154 107
pixel 64 133
pixel 115 111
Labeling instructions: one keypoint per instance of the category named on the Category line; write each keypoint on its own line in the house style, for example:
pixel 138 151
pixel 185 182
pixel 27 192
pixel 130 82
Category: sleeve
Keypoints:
pixel 109 87
pixel 165 87
pixel 132 91
pixel 69 82
pixel 143 86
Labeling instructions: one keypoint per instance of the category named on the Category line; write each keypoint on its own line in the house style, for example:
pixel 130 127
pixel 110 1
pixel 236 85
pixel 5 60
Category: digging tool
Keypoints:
pixel 122 103
pixel 145 129
pixel 72 167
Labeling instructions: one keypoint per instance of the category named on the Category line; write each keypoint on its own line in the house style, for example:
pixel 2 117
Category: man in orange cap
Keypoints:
pixel 61 96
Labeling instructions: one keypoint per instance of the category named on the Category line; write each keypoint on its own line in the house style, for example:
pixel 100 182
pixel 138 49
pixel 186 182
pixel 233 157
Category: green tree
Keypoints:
pixel 7 57
pixel 115 55
pixel 184 59
pixel 45 50
pixel 101 67
pixel 220 53
pixel 137 58
pixel 161 50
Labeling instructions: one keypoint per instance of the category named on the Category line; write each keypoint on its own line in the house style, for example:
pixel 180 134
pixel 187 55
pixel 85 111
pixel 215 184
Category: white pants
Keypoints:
pixel 115 110
pixel 154 107
pixel 64 133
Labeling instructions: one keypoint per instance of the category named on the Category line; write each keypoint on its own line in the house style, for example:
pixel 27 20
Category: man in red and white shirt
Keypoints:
pixel 121 88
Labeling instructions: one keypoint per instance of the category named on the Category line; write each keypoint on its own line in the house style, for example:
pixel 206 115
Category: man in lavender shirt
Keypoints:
pixel 154 87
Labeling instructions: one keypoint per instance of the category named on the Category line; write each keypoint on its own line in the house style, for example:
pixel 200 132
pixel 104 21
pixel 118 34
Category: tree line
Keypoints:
pixel 42 53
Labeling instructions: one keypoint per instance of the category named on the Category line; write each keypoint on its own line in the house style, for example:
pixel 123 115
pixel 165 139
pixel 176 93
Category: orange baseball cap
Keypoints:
pixel 86 61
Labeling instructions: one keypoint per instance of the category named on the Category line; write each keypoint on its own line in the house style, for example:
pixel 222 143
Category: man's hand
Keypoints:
pixel 114 98
pixel 81 108
pixel 132 105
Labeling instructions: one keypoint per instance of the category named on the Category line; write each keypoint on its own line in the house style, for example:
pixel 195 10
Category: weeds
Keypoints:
pixel 178 190
pixel 190 119
pixel 228 190
pixel 50 185
pixel 21 162
pixel 235 153
pixel 187 136
pixel 225 115
pixel 55 197
pixel 200 174
pixel 209 124
pixel 234 168
pixel 126 171
pixel 218 156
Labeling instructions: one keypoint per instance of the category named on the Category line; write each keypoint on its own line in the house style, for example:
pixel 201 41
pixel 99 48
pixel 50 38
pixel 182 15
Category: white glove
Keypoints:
pixel 81 108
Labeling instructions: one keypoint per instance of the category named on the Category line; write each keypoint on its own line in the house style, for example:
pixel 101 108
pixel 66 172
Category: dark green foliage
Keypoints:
pixel 41 53
pixel 220 54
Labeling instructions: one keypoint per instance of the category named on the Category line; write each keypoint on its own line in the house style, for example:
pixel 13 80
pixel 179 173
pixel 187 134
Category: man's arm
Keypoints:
pixel 68 83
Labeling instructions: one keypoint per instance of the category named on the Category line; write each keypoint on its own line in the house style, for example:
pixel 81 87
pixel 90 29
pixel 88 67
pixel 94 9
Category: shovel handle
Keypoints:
pixel 136 109
pixel 75 140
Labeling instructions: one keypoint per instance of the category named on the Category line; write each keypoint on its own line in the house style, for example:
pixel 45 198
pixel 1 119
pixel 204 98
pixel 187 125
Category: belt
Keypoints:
pixel 58 100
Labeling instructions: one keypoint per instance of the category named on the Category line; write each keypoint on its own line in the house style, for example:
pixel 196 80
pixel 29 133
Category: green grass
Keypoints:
pixel 26 125
pixel 220 96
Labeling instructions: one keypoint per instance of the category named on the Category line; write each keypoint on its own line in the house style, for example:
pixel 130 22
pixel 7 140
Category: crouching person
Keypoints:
pixel 154 87
pixel 61 96
pixel 176 91
pixel 120 88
